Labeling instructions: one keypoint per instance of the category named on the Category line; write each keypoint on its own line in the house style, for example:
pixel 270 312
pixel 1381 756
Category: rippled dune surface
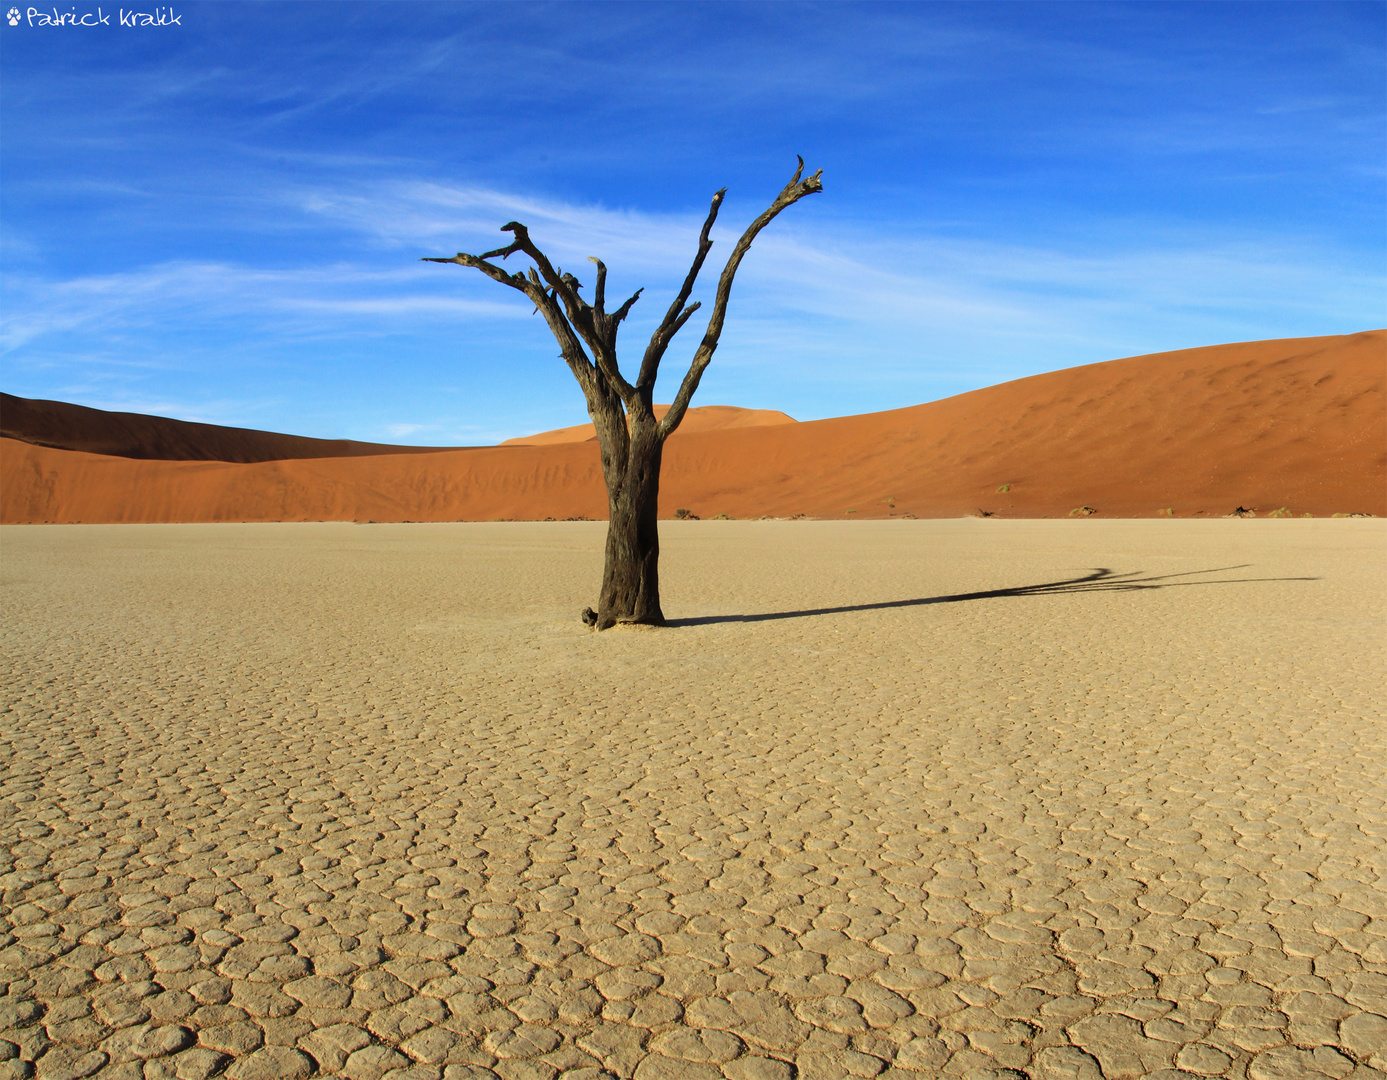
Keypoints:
pixel 901 798
pixel 1294 427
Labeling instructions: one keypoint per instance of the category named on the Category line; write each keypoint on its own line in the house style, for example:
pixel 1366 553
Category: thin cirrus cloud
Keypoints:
pixel 417 213
pixel 206 293
pixel 936 314
pixel 903 291
pixel 804 265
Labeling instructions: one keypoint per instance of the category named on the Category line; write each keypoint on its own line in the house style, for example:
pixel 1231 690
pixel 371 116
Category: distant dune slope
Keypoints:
pixel 698 418
pixel 62 426
pixel 1297 423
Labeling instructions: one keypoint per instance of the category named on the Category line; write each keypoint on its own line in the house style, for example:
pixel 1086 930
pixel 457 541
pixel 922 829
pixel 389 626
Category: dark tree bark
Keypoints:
pixel 629 436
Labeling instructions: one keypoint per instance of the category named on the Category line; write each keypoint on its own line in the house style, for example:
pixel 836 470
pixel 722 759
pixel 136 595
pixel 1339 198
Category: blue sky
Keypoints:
pixel 221 219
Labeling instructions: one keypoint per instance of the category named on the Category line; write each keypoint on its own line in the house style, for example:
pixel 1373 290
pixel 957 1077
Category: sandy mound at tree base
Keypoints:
pixel 1299 424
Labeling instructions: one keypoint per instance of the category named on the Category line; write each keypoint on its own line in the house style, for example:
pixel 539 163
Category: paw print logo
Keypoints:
pixel 14 16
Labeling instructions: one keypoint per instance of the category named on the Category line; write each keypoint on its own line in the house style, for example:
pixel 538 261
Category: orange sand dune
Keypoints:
pixel 698 418
pixel 1296 423
pixel 135 435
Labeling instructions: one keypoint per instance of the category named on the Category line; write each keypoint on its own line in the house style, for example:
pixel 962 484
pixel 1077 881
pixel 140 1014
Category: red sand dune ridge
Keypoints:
pixel 62 426
pixel 1299 424
pixel 697 419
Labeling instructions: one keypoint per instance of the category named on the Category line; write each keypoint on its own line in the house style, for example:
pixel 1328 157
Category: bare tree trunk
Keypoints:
pixel 631 440
pixel 631 453
pixel 631 576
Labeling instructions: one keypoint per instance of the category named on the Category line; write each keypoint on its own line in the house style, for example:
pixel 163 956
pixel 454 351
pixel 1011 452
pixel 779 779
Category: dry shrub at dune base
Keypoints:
pixel 1292 427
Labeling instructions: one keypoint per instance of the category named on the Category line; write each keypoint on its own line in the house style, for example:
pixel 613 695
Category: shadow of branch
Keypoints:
pixel 1099 580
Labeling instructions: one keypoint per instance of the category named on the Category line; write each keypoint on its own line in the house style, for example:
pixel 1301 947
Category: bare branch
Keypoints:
pixel 664 333
pixel 599 333
pixel 606 364
pixel 620 313
pixel 599 330
pixel 684 316
pixel 601 338
pixel 542 297
pixel 792 192
pixel 599 292
pixel 578 311
pixel 509 249
pixel 515 281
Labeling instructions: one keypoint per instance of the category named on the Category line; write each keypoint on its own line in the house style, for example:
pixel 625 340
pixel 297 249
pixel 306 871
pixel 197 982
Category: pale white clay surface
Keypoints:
pixel 286 799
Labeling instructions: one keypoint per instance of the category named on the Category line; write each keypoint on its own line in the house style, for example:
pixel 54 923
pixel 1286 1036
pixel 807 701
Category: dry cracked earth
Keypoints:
pixel 899 799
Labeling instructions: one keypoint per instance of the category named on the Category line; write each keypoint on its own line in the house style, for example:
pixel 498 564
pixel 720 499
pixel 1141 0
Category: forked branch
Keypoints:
pixel 570 318
pixel 795 190
pixel 542 293
pixel 677 314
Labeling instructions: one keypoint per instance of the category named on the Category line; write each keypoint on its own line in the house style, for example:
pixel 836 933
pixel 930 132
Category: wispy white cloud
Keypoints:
pixel 437 218
pixel 918 282
pixel 911 279
pixel 299 300
pixel 930 309
pixel 825 317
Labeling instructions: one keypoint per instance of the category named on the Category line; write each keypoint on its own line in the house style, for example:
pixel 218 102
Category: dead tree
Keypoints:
pixel 630 437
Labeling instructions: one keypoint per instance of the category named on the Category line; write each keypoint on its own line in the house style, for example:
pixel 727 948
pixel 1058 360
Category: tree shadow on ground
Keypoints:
pixel 1100 579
